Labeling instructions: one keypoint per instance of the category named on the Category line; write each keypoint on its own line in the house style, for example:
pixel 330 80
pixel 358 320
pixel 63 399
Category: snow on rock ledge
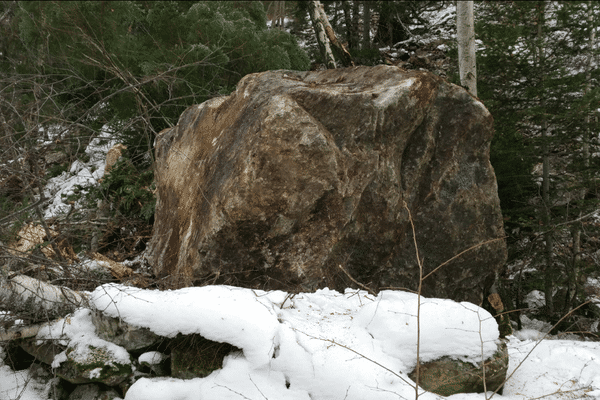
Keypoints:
pixel 219 313
pixel 299 345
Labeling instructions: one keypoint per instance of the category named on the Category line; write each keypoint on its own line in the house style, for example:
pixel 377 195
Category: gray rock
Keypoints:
pixel 42 350
pixel 123 334
pixel 154 362
pixel 100 362
pixel 93 392
pixel 298 173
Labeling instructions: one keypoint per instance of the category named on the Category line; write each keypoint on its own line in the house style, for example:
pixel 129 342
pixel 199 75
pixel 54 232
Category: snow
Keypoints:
pixel 152 358
pixel 227 314
pixel 566 369
pixel 19 385
pixel 322 345
pixel 77 325
pixel 80 176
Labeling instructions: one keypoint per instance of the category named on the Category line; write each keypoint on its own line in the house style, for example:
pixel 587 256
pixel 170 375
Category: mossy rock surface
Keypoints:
pixel 84 363
pixel 447 376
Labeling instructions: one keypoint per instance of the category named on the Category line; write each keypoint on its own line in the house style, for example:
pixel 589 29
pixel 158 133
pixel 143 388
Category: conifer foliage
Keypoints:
pixel 537 72
pixel 70 69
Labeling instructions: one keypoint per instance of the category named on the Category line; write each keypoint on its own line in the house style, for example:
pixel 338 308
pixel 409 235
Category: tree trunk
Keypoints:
pixel 546 218
pixel 466 45
pixel 585 150
pixel 548 235
pixel 350 33
pixel 366 42
pixel 319 26
pixel 35 300
pixel 281 15
pixel 326 36
pixel 355 22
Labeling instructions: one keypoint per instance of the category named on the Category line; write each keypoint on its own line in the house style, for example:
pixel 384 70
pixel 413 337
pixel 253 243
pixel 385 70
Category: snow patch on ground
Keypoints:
pixel 80 176
pixel 323 345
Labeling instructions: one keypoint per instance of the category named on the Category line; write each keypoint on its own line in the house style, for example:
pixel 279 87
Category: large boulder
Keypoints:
pixel 301 180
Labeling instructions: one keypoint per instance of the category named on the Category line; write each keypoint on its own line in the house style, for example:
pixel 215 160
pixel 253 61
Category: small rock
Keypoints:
pixel 122 334
pixel 447 376
pixel 93 360
pixel 93 392
pixel 44 351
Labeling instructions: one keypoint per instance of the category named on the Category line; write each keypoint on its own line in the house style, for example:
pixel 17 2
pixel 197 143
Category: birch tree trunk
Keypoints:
pixel 36 300
pixel 465 33
pixel 280 14
pixel 319 26
pixel 326 36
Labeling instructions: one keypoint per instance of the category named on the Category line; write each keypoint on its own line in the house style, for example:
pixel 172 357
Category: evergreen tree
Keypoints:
pixel 532 80
pixel 159 55
pixel 72 67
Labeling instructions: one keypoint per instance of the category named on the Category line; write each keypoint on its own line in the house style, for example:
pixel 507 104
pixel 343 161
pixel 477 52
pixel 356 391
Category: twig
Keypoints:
pixel 289 296
pixel 257 388
pixel 29 207
pixel 537 344
pixel 482 357
pixel 357 282
pixel 359 354
pixel 53 244
pixel 463 252
pixel 560 391
pixel 420 263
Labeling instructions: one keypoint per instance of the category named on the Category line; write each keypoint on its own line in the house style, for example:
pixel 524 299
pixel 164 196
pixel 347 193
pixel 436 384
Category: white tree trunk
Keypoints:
pixel 316 16
pixel 465 33
pixel 27 297
pixel 327 38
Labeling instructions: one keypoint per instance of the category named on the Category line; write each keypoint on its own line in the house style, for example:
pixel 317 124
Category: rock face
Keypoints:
pixel 298 173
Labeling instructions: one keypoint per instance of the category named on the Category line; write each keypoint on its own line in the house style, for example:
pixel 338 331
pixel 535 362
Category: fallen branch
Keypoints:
pixel 30 298
pixel 22 331
pixel 368 289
